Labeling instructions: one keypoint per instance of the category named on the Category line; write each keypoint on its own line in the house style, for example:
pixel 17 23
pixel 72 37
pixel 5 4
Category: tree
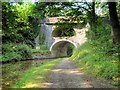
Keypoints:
pixel 114 22
pixel 19 22
pixel 87 9
pixel 9 23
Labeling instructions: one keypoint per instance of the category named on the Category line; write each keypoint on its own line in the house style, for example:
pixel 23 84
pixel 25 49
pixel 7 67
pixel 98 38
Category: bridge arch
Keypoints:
pixel 60 31
pixel 62 48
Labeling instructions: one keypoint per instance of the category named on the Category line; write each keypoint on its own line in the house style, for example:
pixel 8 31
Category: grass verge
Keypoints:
pixel 39 50
pixel 91 60
pixel 35 77
pixel 12 72
pixel 42 48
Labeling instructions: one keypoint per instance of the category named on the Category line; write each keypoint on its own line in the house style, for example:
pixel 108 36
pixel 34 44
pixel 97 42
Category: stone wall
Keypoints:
pixel 47 30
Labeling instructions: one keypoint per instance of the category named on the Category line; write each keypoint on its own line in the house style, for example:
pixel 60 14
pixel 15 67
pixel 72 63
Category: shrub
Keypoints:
pixel 8 56
pixel 12 51
pixel 24 51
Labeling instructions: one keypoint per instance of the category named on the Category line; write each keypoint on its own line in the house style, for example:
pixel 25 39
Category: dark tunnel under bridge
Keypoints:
pixel 62 48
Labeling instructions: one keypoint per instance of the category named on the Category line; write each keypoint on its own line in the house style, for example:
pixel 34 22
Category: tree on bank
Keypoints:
pixel 114 22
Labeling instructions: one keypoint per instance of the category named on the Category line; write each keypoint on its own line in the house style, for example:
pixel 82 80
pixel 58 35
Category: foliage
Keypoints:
pixel 19 23
pixel 43 48
pixel 11 56
pixel 13 51
pixel 27 37
pixel 24 51
pixel 103 29
pixel 41 38
pixel 53 11
pixel 9 14
pixel 30 78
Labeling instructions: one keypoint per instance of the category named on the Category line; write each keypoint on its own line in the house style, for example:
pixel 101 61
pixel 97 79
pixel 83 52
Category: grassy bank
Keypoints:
pixel 94 62
pixel 12 72
pixel 42 48
pixel 35 76
pixel 39 50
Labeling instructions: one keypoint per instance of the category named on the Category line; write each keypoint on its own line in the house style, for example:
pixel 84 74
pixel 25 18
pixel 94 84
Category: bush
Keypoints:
pixel 8 56
pixel 24 51
pixel 12 51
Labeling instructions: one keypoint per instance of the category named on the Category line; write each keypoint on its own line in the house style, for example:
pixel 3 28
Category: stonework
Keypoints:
pixel 57 45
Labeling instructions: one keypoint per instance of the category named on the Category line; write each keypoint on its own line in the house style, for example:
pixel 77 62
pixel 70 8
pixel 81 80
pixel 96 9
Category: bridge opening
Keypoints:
pixel 63 30
pixel 62 48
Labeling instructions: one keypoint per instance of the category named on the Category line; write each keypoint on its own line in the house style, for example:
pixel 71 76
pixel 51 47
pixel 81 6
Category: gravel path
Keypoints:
pixel 66 75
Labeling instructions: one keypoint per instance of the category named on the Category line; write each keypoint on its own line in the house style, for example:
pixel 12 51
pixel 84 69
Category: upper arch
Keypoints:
pixel 62 40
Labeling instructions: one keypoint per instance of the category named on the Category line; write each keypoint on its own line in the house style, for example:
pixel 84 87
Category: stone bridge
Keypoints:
pixel 60 46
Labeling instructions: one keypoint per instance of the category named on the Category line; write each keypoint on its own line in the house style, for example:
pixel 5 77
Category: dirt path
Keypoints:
pixel 66 75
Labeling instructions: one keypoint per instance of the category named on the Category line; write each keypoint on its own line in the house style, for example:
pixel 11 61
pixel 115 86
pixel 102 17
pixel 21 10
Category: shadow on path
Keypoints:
pixel 66 75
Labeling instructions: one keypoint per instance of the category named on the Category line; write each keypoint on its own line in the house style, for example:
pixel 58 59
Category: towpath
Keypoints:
pixel 66 75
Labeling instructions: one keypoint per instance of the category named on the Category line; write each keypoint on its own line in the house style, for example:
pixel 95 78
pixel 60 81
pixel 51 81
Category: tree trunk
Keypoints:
pixel 114 22
pixel 93 21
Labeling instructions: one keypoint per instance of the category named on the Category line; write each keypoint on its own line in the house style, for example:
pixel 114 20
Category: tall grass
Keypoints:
pixel 93 61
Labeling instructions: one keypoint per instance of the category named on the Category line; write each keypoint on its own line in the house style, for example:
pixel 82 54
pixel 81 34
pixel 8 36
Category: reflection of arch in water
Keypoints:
pixel 62 48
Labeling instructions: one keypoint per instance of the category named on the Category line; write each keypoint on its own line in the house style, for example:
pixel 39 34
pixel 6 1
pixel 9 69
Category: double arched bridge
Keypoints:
pixel 61 46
